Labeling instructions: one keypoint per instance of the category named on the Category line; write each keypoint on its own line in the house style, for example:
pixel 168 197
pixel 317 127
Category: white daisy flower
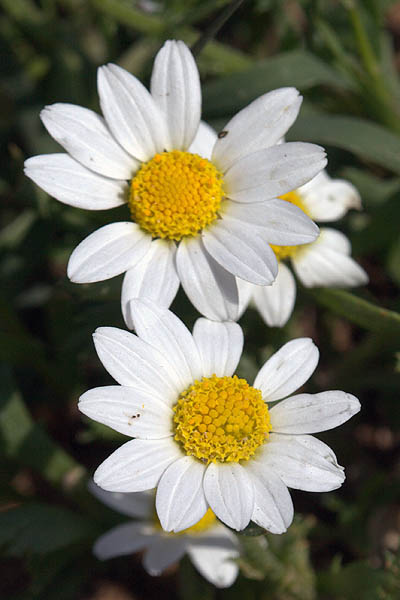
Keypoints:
pixel 323 263
pixel 211 546
pixel 203 437
pixel 192 213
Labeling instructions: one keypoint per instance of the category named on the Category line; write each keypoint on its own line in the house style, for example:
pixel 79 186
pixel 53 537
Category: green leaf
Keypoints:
pixel 298 68
pixel 359 311
pixel 191 585
pixel 374 190
pixel 357 580
pixel 24 441
pixel 41 528
pixel 367 140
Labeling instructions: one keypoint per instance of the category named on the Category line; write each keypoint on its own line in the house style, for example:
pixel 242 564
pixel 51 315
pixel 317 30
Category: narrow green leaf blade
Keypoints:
pixel 365 139
pixel 298 69
pixel 359 311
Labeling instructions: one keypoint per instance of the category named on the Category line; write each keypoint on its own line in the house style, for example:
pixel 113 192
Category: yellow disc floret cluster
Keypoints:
pixel 221 419
pixel 207 521
pixel 282 252
pixel 176 194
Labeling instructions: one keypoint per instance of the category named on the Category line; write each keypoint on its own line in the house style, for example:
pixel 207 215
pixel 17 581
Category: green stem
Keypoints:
pixel 215 26
pixel 224 58
pixel 376 83
pixel 359 311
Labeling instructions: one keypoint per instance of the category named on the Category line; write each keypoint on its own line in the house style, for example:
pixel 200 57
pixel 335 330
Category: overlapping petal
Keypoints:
pixel 137 465
pixel 153 277
pixel 175 87
pixel 135 363
pixel 124 539
pixel 131 113
pixel 180 499
pixel 329 199
pixel 220 346
pixel 276 221
pixel 272 172
pixel 213 554
pixel 210 288
pixel 258 126
pixel 229 491
pixel 108 252
pixel 288 369
pixel 129 411
pixel 85 136
pixel 324 263
pixel 275 302
pixel 302 462
pixel 273 506
pixel 160 328
pixel 238 248
pixel 70 183
pixel 311 413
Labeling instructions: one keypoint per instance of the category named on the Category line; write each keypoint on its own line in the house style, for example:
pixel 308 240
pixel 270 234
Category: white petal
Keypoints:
pixel 135 363
pixel 107 252
pixel 164 552
pixel 220 346
pixel 69 182
pixel 230 493
pixel 180 500
pixel 238 248
pixel 275 302
pixel 137 465
pixel 288 369
pixel 85 136
pixel 277 221
pixel 175 87
pixel 123 539
pixel 318 265
pixel 273 506
pixel 258 126
pixel 162 329
pixel 213 554
pixel 131 113
pixel 335 240
pixel 311 413
pixel 137 504
pixel 128 411
pixel 302 462
pixel 153 277
pixel 210 288
pixel 204 141
pixel 272 172
pixel 245 293
pixel 329 199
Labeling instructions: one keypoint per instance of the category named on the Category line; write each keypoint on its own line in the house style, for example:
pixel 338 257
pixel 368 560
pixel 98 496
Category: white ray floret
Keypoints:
pixel 212 547
pixel 326 262
pixel 205 438
pixel 196 198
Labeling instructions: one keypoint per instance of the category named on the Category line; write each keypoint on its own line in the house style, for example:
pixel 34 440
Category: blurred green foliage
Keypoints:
pixel 342 56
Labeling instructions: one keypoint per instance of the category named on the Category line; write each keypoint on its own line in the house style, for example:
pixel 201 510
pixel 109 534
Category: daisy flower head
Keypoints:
pixel 211 547
pixel 326 262
pixel 202 208
pixel 205 438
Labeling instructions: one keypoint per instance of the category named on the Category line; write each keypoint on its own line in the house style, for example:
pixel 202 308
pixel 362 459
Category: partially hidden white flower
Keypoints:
pixel 326 262
pixel 203 437
pixel 202 207
pixel 211 546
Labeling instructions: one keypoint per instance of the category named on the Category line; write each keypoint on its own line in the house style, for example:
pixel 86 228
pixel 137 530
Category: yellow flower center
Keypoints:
pixel 176 194
pixel 221 419
pixel 282 252
pixel 205 523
